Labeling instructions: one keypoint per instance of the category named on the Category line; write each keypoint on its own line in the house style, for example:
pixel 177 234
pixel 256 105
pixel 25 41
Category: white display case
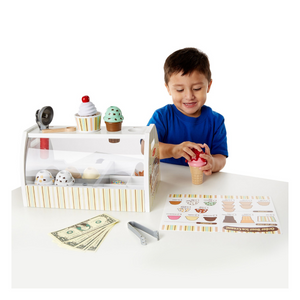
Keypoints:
pixel 108 176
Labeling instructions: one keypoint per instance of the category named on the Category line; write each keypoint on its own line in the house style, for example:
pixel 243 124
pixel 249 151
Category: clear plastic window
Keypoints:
pixel 91 162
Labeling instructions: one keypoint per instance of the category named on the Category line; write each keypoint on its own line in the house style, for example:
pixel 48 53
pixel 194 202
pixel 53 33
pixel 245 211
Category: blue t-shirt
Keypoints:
pixel 173 127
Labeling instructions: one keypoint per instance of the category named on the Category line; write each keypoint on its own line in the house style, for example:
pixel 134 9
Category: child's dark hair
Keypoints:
pixel 187 60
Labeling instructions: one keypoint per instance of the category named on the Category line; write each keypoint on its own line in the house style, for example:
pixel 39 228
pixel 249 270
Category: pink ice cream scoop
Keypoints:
pixel 195 163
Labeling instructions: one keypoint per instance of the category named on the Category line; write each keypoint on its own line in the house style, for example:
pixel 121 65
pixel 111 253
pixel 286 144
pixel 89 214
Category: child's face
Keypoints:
pixel 189 92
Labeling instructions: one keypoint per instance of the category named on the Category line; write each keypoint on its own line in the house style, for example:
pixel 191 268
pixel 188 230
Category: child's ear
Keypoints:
pixel 168 89
pixel 209 85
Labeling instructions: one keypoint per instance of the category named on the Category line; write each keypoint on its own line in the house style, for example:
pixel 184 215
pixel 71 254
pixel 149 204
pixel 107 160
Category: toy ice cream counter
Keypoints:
pixel 74 170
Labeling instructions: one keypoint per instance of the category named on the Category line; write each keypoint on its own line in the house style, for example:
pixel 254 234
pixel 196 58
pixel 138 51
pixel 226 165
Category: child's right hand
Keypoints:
pixel 185 150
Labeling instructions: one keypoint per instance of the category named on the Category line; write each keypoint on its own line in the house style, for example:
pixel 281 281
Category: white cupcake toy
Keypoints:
pixel 88 119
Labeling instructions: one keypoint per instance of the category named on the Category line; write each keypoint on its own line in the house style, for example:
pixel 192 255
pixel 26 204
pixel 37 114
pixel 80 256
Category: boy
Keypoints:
pixel 188 123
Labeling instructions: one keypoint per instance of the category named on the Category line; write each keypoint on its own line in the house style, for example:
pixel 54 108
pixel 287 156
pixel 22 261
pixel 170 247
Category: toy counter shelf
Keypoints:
pixel 99 171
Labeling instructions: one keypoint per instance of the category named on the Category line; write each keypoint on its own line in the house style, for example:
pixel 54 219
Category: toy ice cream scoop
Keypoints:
pixel 64 178
pixel 88 119
pixel 195 164
pixel 87 108
pixel 75 173
pixel 44 177
pixel 90 173
pixel 113 119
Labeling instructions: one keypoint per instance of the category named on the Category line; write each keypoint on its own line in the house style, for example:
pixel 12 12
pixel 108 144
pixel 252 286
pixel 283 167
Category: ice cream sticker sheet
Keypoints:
pixel 220 213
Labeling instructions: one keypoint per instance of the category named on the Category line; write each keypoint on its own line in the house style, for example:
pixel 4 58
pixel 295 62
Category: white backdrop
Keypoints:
pixel 54 52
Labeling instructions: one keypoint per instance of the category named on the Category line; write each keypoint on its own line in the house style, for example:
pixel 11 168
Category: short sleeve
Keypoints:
pixel 158 120
pixel 219 143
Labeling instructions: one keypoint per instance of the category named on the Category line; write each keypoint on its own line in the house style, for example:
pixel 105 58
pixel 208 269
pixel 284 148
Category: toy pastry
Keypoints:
pixel 113 119
pixel 87 108
pixel 88 119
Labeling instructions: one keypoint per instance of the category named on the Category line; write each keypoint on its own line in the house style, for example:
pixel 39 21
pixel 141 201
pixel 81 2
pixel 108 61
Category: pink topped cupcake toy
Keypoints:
pixel 195 164
pixel 88 119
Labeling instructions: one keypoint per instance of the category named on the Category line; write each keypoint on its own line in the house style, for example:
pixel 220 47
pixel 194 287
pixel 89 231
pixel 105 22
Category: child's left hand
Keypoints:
pixel 208 168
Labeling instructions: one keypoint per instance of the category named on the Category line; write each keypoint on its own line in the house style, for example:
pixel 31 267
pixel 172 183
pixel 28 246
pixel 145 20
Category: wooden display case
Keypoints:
pixel 108 176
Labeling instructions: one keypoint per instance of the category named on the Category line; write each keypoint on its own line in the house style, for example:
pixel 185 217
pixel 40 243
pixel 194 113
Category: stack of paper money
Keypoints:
pixel 86 235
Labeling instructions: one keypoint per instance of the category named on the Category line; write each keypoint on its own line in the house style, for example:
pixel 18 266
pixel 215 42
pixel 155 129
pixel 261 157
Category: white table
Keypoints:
pixel 177 260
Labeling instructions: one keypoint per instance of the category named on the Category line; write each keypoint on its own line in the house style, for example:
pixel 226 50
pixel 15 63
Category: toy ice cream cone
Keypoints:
pixel 195 164
pixel 197 175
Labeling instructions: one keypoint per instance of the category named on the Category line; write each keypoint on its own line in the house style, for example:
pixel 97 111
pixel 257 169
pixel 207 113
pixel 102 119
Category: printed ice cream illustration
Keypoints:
pixel 44 177
pixel 113 119
pixel 195 164
pixel 246 205
pixel 228 206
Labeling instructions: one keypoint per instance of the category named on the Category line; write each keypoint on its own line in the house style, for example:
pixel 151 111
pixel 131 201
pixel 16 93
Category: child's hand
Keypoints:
pixel 184 150
pixel 208 168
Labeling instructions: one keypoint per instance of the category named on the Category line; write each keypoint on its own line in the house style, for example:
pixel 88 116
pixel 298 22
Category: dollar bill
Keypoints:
pixel 86 235
pixel 89 243
pixel 84 238
pixel 83 245
pixel 97 242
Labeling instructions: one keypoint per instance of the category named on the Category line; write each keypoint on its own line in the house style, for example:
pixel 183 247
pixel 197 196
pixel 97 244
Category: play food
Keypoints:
pixel 75 173
pixel 44 177
pixel 113 115
pixel 88 119
pixel 64 178
pixel 86 108
pixel 195 164
pixel 113 119
pixel 90 173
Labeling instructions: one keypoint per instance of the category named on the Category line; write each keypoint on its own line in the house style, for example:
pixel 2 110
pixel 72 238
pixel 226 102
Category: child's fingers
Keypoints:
pixel 186 156
pixel 207 170
pixel 205 156
pixel 206 167
pixel 188 153
pixel 207 150
pixel 198 147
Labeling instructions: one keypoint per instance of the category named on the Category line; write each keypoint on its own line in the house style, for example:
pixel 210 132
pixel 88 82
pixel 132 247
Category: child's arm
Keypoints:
pixel 177 151
pixel 215 162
